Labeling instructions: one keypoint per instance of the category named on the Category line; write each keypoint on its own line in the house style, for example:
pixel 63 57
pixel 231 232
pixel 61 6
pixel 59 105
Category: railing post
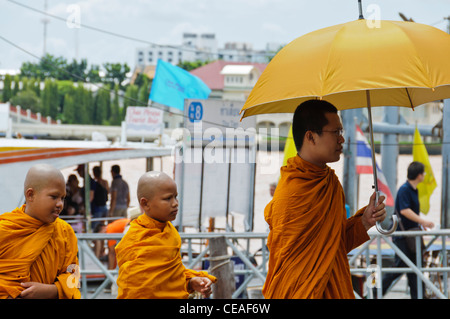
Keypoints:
pixel 419 265
pixel 222 268
pixel 445 264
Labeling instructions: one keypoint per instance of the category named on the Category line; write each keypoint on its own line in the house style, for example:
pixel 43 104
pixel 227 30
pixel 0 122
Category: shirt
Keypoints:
pixel 407 197
pixel 121 187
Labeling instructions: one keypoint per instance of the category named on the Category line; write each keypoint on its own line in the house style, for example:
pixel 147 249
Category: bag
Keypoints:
pixel 411 240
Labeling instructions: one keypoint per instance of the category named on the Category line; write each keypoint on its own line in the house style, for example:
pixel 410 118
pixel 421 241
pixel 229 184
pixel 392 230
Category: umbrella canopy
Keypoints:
pixel 354 65
pixel 400 63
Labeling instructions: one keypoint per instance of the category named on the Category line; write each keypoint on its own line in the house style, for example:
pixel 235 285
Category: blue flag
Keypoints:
pixel 172 85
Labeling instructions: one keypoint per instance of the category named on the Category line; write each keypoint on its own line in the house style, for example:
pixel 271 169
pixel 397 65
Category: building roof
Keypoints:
pixel 237 69
pixel 211 72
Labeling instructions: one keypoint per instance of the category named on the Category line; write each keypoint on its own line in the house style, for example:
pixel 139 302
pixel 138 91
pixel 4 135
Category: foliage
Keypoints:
pixel 189 66
pixel 27 100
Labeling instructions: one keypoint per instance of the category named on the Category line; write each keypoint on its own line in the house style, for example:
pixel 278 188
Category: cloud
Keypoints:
pixel 272 27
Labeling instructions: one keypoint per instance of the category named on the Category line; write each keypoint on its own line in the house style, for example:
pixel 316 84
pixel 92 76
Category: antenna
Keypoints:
pixel 45 21
pixel 360 10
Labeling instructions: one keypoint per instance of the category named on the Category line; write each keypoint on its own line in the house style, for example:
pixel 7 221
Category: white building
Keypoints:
pixel 203 47
pixel 194 47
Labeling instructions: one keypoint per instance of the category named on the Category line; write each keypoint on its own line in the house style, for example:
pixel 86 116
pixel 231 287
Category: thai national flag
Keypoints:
pixel 364 165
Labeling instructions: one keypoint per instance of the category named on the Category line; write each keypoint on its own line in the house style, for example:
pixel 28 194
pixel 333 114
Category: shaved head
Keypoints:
pixel 44 190
pixel 157 196
pixel 150 182
pixel 40 175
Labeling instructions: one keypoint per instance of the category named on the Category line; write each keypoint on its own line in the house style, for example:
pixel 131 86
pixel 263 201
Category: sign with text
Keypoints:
pixel 144 120
pixel 217 121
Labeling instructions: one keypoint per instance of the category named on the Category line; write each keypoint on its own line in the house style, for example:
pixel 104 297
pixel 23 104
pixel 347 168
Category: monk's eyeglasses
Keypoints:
pixel 339 132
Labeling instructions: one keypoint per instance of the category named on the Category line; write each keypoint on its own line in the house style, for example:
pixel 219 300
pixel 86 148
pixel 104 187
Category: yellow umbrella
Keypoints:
pixel 354 65
pixel 400 64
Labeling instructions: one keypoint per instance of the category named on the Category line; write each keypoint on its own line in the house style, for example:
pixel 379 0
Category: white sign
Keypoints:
pixel 144 120
pixel 4 117
pixel 218 121
pixel 219 114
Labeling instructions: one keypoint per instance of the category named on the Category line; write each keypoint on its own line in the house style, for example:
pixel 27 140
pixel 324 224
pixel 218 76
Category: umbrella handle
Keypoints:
pixel 380 229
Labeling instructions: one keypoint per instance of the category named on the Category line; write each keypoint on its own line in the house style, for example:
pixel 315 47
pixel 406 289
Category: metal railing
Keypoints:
pixel 252 246
pixel 195 257
pixel 439 270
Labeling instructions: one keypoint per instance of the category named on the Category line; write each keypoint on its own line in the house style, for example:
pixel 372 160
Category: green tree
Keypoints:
pixel 27 100
pixel 115 118
pixel 48 67
pixel 144 92
pixel 24 84
pixel 69 109
pixel 93 75
pixel 189 66
pixel 16 87
pixel 49 99
pixel 130 98
pixel 101 106
pixel 76 71
pixel 81 104
pixel 6 94
pixel 115 74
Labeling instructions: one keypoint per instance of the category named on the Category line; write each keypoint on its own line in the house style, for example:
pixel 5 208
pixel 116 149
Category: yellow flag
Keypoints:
pixel 289 148
pixel 428 185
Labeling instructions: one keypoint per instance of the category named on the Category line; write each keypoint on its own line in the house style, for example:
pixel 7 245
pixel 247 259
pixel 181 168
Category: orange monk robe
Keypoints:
pixel 33 251
pixel 150 263
pixel 309 235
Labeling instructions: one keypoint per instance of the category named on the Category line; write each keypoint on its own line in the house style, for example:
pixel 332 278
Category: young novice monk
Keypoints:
pixel 148 255
pixel 38 251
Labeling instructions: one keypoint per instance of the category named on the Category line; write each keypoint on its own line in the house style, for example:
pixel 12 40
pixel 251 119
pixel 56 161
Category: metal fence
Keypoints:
pixel 251 249
pixel 431 270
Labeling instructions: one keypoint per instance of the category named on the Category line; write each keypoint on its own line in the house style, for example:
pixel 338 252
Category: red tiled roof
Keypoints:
pixel 210 73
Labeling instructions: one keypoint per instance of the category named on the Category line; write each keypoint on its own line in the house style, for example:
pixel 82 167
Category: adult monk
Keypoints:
pixel 148 255
pixel 38 251
pixel 309 234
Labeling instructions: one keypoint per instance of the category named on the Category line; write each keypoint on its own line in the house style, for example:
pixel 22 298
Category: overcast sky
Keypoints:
pixel 164 21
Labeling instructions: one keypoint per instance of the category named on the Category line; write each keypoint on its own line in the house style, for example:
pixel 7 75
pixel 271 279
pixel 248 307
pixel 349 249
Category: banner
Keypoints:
pixel 144 120
pixel 172 85
pixel 364 165
pixel 427 186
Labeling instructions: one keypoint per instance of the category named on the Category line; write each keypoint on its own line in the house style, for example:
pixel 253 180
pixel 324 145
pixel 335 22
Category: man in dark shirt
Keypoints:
pixel 408 208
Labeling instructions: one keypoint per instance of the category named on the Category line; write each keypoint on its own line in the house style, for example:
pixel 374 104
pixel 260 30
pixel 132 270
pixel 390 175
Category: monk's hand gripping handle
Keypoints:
pixel 378 224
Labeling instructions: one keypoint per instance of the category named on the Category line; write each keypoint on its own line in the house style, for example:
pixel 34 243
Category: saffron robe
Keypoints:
pixel 31 250
pixel 309 235
pixel 150 265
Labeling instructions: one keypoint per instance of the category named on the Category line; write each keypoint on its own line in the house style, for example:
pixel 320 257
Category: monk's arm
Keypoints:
pixel 189 273
pixel 356 233
pixel 67 282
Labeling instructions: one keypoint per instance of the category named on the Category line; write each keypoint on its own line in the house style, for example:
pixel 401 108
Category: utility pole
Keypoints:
pixel 45 21
pixel 448 25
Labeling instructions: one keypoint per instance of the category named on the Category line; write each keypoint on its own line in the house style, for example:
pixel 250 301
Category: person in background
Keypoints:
pixel 407 207
pixel 99 208
pixel 120 194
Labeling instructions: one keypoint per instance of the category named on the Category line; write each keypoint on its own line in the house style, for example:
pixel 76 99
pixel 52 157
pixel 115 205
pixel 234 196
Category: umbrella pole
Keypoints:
pixel 374 167
pixel 372 144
